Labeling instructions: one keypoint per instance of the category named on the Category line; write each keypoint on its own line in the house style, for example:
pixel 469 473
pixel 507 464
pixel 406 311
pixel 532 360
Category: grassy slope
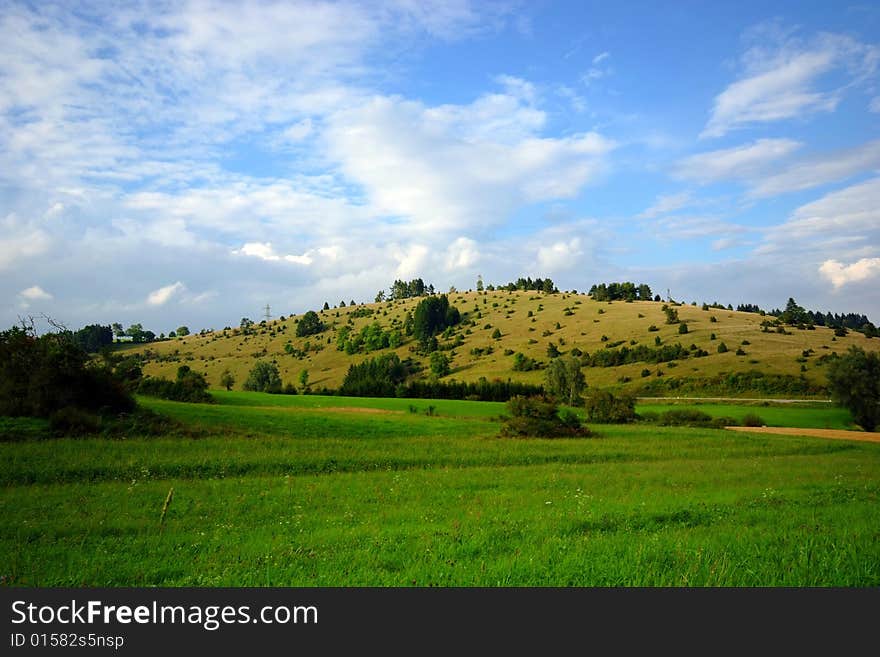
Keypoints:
pixel 290 491
pixel 773 353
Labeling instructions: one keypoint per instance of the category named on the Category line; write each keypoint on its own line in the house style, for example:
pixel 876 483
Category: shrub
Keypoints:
pixel 603 407
pixel 684 417
pixel 74 421
pixel 539 417
pixel 752 420
pixel 188 387
pixel 263 377
pixel 722 348
pixel 682 328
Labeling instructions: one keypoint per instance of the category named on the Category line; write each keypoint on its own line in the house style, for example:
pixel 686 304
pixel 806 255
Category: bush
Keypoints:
pixel 539 417
pixel 42 375
pixel 603 407
pixel 752 420
pixel 74 421
pixel 263 377
pixel 684 417
pixel 189 387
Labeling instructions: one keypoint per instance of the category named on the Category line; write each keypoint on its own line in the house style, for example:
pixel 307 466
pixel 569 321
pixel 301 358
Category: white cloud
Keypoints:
pixel 560 255
pixel 411 260
pixel 846 221
pixel 740 162
pixel 298 131
pixel 781 75
pixel 35 293
pixel 450 167
pixel 164 294
pixel 261 250
pixel 462 253
pixel 667 203
pixel 819 170
pixel 598 70
pixel 840 274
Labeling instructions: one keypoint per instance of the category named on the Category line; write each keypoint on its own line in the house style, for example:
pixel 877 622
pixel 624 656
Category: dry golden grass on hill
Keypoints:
pixel 567 320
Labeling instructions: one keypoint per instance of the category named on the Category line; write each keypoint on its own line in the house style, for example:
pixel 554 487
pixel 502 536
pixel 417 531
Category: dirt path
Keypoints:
pixel 660 400
pixel 837 434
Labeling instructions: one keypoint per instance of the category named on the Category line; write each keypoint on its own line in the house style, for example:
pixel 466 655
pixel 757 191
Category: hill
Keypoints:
pixel 639 349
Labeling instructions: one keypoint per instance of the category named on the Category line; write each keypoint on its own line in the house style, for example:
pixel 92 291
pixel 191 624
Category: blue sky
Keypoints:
pixel 188 162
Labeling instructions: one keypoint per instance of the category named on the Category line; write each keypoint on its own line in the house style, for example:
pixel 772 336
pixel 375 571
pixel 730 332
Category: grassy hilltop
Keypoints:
pixel 528 322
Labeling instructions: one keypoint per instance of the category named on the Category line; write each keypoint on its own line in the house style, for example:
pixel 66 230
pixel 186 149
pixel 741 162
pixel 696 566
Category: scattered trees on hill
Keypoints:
pixel 620 292
pixel 263 377
pixel 310 324
pixel 854 382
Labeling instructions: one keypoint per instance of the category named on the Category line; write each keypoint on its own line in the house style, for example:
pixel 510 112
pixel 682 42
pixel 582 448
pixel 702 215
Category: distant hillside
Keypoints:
pixel 617 341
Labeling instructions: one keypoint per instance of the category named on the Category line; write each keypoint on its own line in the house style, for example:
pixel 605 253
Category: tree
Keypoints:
pixel 431 316
pixel 94 336
pixel 310 324
pixel 263 377
pixel 565 380
pixel 380 296
pixel 480 283
pixel 246 324
pixel 439 364
pixel 304 380
pixel 182 331
pixel 854 381
pixel 326 306
pixel 135 332
pixel 118 331
pixel 227 380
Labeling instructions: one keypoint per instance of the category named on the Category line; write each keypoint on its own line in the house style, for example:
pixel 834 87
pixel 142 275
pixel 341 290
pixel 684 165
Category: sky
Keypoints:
pixel 187 163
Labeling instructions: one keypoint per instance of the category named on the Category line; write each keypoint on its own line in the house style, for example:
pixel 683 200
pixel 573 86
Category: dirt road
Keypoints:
pixel 836 434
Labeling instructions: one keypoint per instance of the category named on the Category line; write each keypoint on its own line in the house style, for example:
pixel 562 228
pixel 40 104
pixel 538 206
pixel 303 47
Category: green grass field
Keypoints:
pixel 303 491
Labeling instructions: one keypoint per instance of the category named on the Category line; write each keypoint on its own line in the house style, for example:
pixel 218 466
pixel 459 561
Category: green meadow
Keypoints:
pixel 320 491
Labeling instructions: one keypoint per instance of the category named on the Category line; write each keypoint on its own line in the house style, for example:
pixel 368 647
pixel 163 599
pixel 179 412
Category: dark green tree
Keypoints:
pixel 854 381
pixel 310 324
pixel 263 377
pixel 93 337
pixel 439 364
pixel 182 331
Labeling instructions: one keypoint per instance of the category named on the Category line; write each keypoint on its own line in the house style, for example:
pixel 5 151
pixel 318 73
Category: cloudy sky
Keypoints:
pixel 189 162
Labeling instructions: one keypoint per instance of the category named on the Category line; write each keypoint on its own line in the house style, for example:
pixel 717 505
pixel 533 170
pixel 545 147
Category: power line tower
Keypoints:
pixel 267 314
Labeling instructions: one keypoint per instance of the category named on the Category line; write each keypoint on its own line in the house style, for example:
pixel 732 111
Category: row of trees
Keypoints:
pixel 621 292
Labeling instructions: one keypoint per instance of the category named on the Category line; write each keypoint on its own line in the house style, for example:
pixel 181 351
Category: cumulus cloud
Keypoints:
pixel 840 274
pixel 462 253
pixel 448 167
pixel 781 74
pixel 35 293
pixel 560 255
pixel 164 294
